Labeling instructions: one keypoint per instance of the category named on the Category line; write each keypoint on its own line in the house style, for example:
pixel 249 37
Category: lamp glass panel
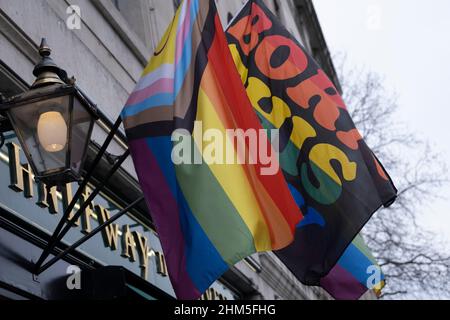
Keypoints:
pixel 82 121
pixel 43 129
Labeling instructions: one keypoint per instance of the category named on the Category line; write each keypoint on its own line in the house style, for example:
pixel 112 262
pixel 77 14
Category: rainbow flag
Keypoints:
pixel 333 175
pixel 208 215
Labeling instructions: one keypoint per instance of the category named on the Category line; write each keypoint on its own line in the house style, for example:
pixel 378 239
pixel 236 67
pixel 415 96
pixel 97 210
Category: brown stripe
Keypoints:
pixel 184 97
pixel 156 114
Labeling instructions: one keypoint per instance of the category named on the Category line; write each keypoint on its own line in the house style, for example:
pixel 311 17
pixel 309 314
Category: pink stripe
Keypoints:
pixel 164 211
pixel 164 85
pixel 181 36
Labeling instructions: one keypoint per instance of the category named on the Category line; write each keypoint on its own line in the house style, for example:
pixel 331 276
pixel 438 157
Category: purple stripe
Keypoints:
pixel 164 211
pixel 342 285
pixel 164 85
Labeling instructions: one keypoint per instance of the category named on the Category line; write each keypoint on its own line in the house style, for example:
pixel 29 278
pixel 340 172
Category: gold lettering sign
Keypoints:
pixel 111 233
pixel 20 175
pixel 212 294
pixel 47 198
pixel 143 252
pixel 161 266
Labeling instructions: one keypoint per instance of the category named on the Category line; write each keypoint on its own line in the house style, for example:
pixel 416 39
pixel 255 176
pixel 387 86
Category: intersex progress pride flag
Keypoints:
pixel 208 215
pixel 335 178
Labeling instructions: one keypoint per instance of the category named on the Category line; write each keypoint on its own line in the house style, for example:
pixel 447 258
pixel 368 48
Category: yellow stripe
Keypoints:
pixel 233 179
pixel 166 47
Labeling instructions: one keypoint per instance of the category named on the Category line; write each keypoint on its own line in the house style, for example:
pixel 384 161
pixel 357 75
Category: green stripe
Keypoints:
pixel 359 243
pixel 215 212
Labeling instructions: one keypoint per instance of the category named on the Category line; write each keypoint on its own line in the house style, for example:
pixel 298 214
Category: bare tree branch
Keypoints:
pixel 414 260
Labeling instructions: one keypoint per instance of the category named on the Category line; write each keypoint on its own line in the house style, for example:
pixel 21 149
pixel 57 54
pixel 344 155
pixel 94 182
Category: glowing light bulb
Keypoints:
pixel 52 131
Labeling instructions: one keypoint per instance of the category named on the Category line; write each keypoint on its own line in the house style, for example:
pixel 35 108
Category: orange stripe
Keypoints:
pixel 245 118
pixel 280 231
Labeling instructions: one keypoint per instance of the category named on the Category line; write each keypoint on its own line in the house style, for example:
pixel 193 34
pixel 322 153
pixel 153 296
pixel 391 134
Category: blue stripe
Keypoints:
pixel 204 263
pixel 356 263
pixel 312 217
pixel 161 148
pixel 297 196
pixel 198 248
pixel 161 99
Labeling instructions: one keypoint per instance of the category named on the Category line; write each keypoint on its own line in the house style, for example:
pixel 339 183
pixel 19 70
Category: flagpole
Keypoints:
pixel 56 234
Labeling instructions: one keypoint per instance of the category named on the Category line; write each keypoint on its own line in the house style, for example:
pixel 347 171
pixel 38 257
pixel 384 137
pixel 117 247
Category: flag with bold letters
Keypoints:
pixel 209 214
pixel 332 174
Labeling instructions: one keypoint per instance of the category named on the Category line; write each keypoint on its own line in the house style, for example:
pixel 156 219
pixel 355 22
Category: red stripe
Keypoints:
pixel 245 118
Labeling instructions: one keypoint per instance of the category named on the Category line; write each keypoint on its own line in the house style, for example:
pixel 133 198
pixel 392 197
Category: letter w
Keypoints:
pixel 111 233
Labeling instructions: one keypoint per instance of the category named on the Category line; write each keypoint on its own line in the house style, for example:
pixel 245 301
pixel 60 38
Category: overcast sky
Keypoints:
pixel 408 42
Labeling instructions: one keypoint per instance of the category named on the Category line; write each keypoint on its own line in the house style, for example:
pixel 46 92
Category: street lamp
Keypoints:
pixel 53 122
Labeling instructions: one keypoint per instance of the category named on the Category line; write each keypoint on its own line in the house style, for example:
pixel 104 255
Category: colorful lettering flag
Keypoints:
pixel 208 214
pixel 333 175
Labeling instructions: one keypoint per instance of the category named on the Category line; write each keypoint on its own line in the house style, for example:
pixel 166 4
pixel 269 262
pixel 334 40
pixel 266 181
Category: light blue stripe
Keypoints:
pixel 161 99
pixel 186 58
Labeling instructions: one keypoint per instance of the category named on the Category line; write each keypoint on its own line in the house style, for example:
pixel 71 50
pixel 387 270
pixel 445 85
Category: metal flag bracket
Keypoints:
pixel 67 222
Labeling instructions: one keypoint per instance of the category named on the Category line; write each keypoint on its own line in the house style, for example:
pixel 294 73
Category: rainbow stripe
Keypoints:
pixel 208 217
pixel 355 273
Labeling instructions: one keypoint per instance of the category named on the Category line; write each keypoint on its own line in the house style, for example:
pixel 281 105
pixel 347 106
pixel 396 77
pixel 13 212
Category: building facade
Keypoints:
pixel 105 44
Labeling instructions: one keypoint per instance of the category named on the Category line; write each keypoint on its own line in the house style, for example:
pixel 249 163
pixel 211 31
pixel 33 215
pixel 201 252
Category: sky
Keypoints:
pixel 408 43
